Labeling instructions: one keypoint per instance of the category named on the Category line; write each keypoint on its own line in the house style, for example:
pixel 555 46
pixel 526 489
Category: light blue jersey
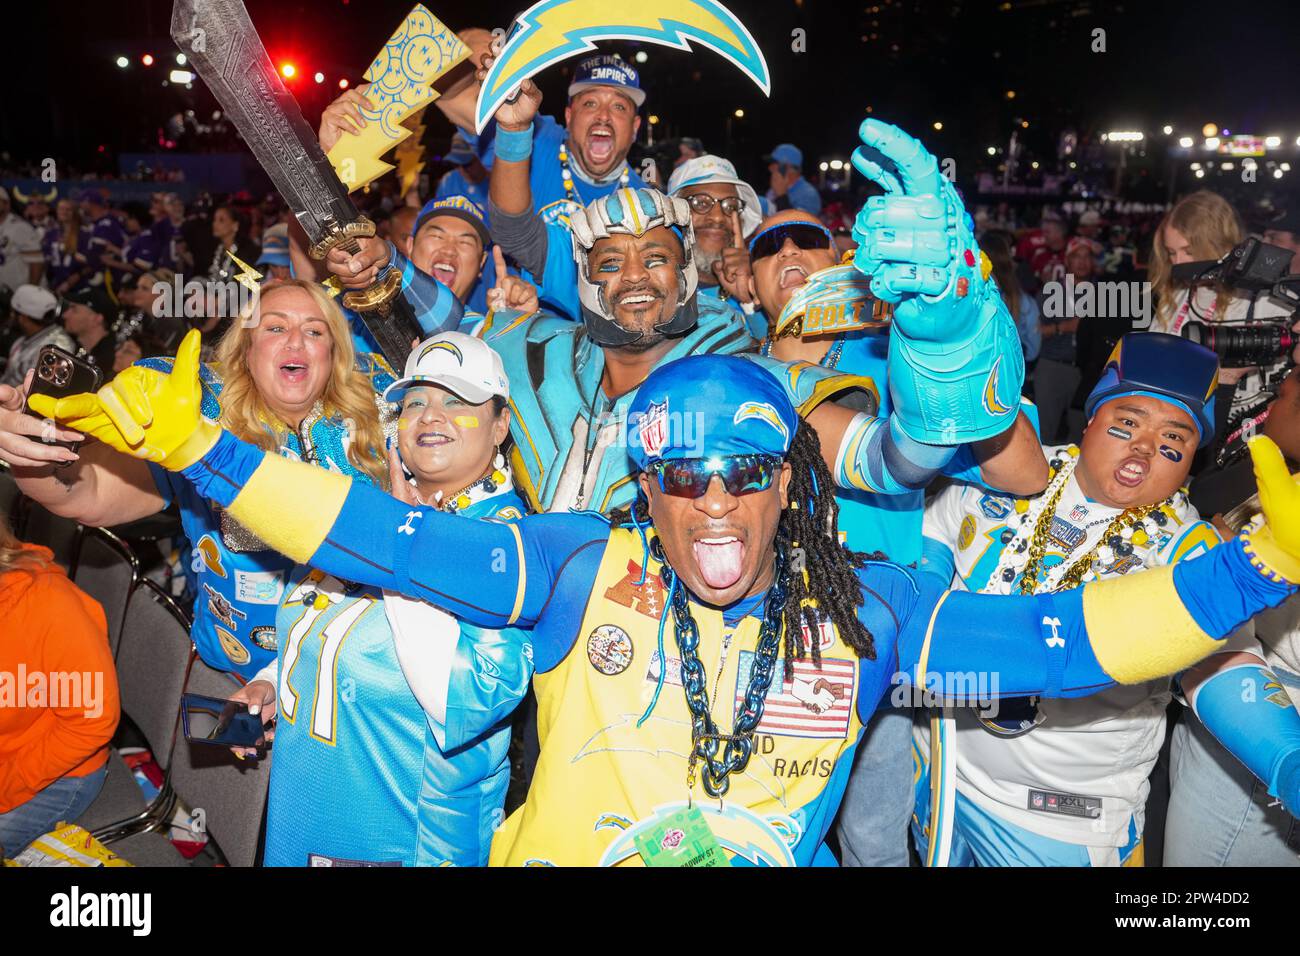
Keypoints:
pixel 360 777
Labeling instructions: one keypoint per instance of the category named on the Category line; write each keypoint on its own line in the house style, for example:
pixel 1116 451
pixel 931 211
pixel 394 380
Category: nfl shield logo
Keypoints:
pixel 654 428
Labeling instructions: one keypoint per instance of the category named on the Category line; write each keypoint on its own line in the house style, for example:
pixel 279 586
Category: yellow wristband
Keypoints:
pixel 1269 558
pixel 198 444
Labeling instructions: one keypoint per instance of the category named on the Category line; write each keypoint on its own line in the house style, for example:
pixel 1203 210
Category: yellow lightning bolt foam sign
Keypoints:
pixel 410 156
pixel 401 84
pixel 555 30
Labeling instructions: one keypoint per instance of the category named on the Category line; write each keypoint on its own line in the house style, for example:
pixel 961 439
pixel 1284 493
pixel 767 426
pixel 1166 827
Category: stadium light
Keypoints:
pixel 181 76
pixel 1185 142
pixel 287 70
pixel 343 83
pixel 319 77
pixel 1212 142
pixel 1272 142
pixel 1168 129
pixel 147 59
pixel 180 59
pixel 123 62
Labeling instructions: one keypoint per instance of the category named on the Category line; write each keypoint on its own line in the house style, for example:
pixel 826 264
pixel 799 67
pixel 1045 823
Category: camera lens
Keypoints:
pixel 1240 346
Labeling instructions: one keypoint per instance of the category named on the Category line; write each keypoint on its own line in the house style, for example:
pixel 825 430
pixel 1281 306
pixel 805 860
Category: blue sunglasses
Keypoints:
pixel 805 235
pixel 740 474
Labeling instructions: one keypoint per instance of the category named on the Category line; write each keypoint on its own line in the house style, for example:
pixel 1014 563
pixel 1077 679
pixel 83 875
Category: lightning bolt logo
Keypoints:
pixel 764 412
pixel 402 75
pixel 555 30
pixel 992 404
pixel 443 347
pixel 251 280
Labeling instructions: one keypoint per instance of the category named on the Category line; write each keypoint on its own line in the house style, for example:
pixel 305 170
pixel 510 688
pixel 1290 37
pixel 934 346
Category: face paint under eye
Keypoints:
pixel 403 424
pixel 1123 434
pixel 1173 454
pixel 466 421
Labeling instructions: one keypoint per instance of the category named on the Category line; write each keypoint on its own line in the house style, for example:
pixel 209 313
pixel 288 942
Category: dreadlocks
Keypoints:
pixel 820 569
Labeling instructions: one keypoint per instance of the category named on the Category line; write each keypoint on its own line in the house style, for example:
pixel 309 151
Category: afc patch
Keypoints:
pixel 609 649
pixel 995 507
pixel 646 598
pixel 817 703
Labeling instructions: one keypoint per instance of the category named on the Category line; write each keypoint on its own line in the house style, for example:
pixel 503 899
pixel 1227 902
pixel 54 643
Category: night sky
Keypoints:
pixel 914 63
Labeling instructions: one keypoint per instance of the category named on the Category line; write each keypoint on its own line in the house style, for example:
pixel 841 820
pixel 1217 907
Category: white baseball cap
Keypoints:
pixel 456 361
pixel 33 302
pixel 714 169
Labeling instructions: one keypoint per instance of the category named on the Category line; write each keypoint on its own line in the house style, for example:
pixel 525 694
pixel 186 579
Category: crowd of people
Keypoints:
pixel 757 531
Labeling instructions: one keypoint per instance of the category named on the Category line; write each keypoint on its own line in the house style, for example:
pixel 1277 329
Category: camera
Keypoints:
pixel 1241 346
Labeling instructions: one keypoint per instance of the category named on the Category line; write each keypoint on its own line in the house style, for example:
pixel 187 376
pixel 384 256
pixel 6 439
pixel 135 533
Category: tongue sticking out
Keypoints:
pixel 720 564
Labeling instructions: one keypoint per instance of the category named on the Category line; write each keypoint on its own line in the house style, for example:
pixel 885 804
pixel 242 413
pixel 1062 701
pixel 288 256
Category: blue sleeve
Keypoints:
pixel 1247 710
pixel 937 559
pixel 487 573
pixel 558 285
pixel 436 308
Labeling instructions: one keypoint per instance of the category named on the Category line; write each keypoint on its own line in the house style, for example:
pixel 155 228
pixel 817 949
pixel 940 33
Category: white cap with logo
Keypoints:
pixel 456 361
pixel 714 169
pixel 33 302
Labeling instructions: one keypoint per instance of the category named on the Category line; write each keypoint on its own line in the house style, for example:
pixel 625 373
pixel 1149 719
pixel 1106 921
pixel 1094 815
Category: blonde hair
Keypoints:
pixel 13 556
pixel 1211 227
pixel 349 392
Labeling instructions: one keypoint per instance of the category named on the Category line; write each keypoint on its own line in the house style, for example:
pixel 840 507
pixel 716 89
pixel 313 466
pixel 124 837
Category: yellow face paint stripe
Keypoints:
pixel 299 531
pixel 466 421
pixel 1169 639
pixel 523 575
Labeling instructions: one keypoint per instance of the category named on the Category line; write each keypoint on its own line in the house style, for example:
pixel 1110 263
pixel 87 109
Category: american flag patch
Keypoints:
pixel 817 703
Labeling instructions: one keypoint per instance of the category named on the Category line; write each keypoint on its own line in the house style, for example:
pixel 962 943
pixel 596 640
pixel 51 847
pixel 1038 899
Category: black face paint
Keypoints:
pixel 1116 432
pixel 1173 454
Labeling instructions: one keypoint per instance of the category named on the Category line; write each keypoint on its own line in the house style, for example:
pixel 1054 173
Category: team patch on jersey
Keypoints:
pixel 967 533
pixel 221 608
pixel 508 514
pixel 995 507
pixel 674 675
pixel 236 651
pixel 211 555
pixel 1065 535
pixel 1079 512
pixel 609 649
pixel 259 587
pixel 264 637
pixel 645 598
pixel 817 703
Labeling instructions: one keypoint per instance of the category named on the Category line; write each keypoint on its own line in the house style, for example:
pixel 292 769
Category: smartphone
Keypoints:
pixel 58 374
pixel 227 723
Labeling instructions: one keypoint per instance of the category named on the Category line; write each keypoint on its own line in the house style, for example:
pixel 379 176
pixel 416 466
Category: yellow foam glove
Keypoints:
pixel 143 412
pixel 1275 548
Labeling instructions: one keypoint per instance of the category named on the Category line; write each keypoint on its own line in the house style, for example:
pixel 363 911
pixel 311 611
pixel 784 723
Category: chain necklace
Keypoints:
pixel 1132 527
pixel 570 192
pixel 490 482
pixel 830 360
pixel 590 442
pixel 705 736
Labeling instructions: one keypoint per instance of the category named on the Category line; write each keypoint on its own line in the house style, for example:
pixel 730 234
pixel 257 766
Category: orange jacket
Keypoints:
pixel 58 686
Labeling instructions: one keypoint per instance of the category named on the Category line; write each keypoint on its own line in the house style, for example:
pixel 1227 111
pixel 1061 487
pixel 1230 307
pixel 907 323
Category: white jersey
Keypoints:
pixel 20 249
pixel 1081 774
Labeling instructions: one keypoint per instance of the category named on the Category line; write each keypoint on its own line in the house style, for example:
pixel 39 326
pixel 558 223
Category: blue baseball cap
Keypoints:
pixel 1162 366
pixel 787 153
pixel 708 406
pixel 462 207
pixel 606 70
pixel 275 246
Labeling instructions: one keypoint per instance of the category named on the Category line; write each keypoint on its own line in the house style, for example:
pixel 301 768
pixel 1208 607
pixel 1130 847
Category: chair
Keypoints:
pixel 231 793
pixel 107 569
pixel 151 669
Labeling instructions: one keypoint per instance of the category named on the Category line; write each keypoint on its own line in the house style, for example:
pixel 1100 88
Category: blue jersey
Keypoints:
pixel 238 583
pixel 360 777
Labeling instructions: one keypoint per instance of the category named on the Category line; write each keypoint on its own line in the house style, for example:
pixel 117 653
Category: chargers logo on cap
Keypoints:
pixel 764 412
pixel 444 346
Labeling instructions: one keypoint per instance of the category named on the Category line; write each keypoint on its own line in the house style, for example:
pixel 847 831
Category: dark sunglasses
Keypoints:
pixel 805 235
pixel 703 202
pixel 740 474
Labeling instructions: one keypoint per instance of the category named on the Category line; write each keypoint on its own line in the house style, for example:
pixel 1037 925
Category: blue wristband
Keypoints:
pixel 514 146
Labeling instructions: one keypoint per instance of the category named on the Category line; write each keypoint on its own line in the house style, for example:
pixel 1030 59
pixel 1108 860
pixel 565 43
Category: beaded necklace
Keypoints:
pixel 489 483
pixel 830 360
pixel 1024 550
pixel 570 191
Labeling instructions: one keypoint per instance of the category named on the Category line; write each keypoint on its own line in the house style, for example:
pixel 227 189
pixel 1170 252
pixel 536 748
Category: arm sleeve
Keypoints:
pixel 876 455
pixel 523 237
pixel 488 573
pixel 1074 643
pixel 435 307
pixel 70 640
pixel 1247 709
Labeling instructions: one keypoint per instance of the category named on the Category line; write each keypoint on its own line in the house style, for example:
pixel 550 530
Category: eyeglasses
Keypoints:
pixel 740 474
pixel 805 235
pixel 703 202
